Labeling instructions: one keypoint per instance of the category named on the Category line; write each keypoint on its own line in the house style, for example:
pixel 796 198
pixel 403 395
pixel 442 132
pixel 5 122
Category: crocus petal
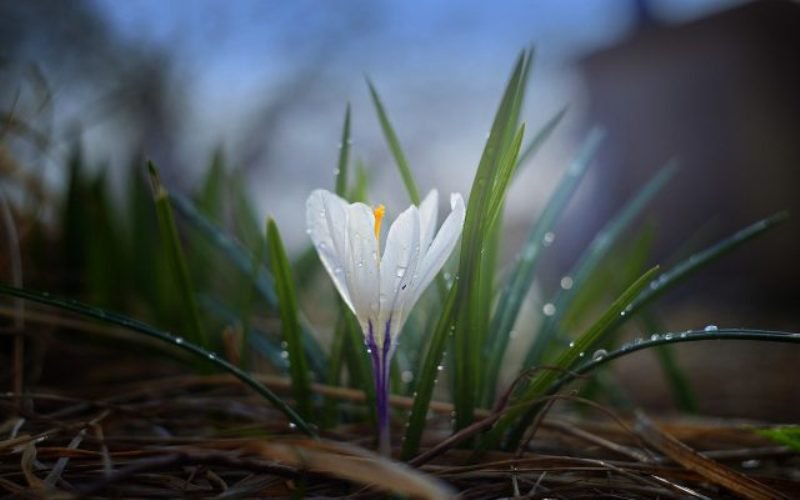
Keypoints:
pixel 441 247
pixel 428 213
pixel 361 261
pixel 399 268
pixel 326 220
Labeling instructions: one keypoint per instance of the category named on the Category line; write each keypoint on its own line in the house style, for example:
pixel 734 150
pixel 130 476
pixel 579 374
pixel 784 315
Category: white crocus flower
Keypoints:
pixel 381 290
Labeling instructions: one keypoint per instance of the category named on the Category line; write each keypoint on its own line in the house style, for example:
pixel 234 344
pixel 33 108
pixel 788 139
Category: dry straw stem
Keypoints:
pixel 706 467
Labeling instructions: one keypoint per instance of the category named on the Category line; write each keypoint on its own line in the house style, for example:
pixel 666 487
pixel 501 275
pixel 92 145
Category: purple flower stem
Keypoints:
pixel 380 368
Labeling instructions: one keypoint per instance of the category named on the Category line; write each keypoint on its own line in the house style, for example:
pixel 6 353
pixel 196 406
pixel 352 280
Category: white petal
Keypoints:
pixel 326 220
pixel 361 261
pixel 399 269
pixel 441 247
pixel 428 213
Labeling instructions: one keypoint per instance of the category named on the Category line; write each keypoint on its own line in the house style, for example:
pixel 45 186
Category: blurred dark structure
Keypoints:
pixel 723 95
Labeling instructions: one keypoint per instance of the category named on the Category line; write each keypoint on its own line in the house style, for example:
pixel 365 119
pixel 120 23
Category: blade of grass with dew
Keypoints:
pixel 471 314
pixel 425 378
pixel 588 261
pixel 688 266
pixel 242 260
pixel 681 390
pixel 394 146
pixel 335 366
pixel 738 334
pixel 171 240
pixel 292 333
pixel 522 274
pixel 587 341
pixel 169 339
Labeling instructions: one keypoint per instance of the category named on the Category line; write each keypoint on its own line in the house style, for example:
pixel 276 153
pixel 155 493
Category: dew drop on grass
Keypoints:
pixel 668 336
pixel 440 367
pixel 285 354
pixel 566 282
pixel 407 376
pixel 654 337
pixel 292 425
pixel 179 340
pixel 751 464
pixel 549 309
pixel 600 354
pixel 571 345
pixel 212 356
pixel 548 238
pixel 710 328
pixel 335 171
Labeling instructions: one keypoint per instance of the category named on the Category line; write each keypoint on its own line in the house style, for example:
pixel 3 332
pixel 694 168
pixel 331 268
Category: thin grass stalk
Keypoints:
pixel 172 242
pixel 292 332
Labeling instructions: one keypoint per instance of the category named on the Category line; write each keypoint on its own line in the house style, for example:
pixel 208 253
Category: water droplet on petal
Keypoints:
pixel 711 328
pixel 400 272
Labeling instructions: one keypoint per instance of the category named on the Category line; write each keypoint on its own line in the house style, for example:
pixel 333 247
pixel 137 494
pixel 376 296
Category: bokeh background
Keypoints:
pixel 713 83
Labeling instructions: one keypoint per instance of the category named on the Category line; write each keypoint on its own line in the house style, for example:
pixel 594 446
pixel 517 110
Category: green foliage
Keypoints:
pixel 292 333
pixel 788 435
pixel 204 272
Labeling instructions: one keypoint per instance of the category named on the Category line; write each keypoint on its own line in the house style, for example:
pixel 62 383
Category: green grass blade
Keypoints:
pixel 788 435
pixel 682 393
pixel 292 333
pixel 567 360
pixel 394 147
pixel 172 243
pixel 335 366
pixel 242 260
pixel 471 309
pixel 598 359
pixel 211 197
pixel 169 339
pixel 344 156
pixel 522 274
pixel 700 259
pixel 425 378
pixel 540 138
pixel 592 256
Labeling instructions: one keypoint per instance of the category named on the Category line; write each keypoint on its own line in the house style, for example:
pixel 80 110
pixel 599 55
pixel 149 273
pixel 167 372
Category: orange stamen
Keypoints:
pixel 379 212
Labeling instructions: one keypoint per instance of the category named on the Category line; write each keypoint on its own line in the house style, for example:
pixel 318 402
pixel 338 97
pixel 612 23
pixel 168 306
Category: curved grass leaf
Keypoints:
pixel 529 151
pixel 394 146
pixel 591 257
pixel 600 358
pixel 568 358
pixel 175 341
pixel 243 261
pixel 686 267
pixel 522 274
pixel 292 333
